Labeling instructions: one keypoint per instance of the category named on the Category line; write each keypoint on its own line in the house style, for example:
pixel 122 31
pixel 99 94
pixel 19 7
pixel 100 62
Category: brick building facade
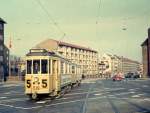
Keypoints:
pixel 146 56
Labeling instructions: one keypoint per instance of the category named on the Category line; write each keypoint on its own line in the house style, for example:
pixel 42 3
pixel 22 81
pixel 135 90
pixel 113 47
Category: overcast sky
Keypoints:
pixel 97 24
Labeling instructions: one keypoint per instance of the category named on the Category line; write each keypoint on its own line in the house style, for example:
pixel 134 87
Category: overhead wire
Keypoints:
pixel 51 19
pixel 98 16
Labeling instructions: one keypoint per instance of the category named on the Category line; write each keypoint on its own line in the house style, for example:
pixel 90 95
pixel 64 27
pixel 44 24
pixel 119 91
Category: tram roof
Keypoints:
pixel 43 52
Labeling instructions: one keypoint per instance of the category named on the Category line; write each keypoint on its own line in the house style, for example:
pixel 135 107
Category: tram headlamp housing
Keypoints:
pixel 36 79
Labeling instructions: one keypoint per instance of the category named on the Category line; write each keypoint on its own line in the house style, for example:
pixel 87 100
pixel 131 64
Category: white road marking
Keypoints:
pixel 135 96
pixel 115 89
pixel 17 107
pixel 2 97
pixel 132 89
pixel 14 100
pixel 61 98
pixel 76 93
pixel 7 93
pixel 84 110
pixel 95 91
pixel 111 95
pixel 98 94
pixel 132 92
pixel 147 99
pixel 9 85
pixel 138 95
pixel 124 93
pixel 145 86
pixel 41 102
pixel 80 100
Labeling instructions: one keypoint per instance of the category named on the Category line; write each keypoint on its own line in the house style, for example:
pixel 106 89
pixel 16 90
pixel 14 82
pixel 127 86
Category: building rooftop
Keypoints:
pixel 1 20
pixel 145 42
pixel 122 58
pixel 75 46
pixel 61 43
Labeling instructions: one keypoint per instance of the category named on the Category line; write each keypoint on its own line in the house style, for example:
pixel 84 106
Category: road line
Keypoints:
pixel 147 99
pixel 27 108
pixel 14 100
pixel 98 94
pixel 41 102
pixel 17 107
pixel 145 86
pixel 86 100
pixel 65 102
pixel 3 97
pixel 138 95
pixel 95 91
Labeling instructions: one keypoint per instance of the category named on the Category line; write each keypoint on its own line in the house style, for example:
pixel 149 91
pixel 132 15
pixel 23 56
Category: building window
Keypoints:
pixel 1 58
pixel 1 37
pixel 1 26
pixel 1 47
pixel 62 67
pixel 73 69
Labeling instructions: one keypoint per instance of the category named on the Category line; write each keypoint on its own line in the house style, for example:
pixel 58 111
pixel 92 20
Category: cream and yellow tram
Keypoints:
pixel 49 73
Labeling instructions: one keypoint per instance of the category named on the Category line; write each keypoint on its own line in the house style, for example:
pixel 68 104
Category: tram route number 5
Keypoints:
pixel 28 83
pixel 44 83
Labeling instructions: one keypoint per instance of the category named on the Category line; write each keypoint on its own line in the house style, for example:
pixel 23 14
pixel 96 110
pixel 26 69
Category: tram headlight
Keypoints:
pixel 36 79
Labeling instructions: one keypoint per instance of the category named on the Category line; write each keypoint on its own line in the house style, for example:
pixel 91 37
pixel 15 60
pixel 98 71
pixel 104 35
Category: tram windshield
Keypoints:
pixel 44 67
pixel 29 66
pixel 38 66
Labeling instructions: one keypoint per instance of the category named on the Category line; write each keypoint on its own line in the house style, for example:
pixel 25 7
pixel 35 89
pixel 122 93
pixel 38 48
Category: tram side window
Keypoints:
pixel 29 66
pixel 73 69
pixel 50 66
pixel 44 67
pixel 36 66
pixel 62 67
pixel 66 68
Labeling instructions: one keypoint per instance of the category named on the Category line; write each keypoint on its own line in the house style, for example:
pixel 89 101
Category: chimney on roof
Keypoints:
pixel 148 32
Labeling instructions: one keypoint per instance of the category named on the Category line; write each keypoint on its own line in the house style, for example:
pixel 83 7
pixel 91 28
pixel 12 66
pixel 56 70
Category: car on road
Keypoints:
pixel 132 76
pixel 117 78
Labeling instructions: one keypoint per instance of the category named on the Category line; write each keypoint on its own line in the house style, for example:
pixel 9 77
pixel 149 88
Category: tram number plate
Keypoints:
pixel 36 87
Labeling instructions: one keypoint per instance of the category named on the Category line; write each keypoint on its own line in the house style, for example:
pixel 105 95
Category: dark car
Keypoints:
pixel 129 75
pixel 136 76
pixel 132 76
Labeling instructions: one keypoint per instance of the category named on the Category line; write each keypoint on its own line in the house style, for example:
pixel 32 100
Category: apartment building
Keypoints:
pixel 146 56
pixel 2 22
pixel 129 65
pixel 118 64
pixel 87 58
pixel 112 64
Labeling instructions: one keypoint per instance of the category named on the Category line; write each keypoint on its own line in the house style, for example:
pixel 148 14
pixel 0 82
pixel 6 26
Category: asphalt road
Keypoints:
pixel 93 96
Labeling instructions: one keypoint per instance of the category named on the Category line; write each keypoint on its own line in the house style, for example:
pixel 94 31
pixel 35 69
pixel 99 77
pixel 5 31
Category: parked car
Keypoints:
pixel 132 76
pixel 117 78
pixel 136 76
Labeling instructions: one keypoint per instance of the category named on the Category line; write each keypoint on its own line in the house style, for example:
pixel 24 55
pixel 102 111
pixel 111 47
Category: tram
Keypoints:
pixel 48 73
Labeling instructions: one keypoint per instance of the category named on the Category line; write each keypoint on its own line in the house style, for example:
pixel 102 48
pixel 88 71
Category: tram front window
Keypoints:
pixel 29 66
pixel 36 66
pixel 44 66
